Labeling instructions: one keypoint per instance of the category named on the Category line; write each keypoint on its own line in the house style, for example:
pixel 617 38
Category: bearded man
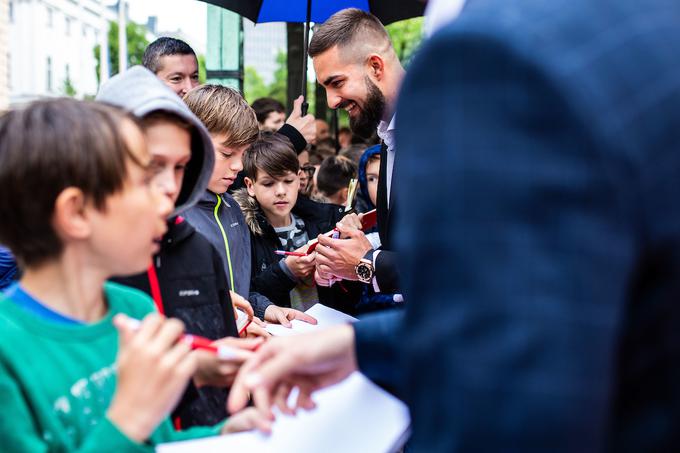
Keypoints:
pixel 356 63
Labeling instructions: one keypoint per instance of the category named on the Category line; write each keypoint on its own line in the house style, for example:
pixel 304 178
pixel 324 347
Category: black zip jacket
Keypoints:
pixel 189 272
pixel 268 278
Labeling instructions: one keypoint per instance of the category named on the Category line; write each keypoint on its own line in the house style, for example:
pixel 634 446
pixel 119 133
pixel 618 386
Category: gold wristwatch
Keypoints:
pixel 365 270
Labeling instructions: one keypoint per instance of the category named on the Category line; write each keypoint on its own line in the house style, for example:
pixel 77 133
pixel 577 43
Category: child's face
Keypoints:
pixel 273 122
pixel 126 233
pixel 372 173
pixel 228 162
pixel 275 195
pixel 170 149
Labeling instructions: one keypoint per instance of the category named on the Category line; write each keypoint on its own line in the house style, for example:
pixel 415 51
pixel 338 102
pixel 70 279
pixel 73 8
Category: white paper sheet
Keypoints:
pixel 353 416
pixel 324 315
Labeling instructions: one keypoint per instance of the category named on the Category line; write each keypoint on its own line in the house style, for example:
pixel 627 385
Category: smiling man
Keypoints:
pixel 174 62
pixel 356 63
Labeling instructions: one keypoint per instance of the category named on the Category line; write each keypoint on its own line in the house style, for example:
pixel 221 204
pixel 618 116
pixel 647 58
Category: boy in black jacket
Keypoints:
pixel 186 279
pixel 279 221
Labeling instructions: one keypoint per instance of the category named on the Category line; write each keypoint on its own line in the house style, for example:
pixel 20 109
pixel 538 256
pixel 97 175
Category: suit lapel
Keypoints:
pixel 381 208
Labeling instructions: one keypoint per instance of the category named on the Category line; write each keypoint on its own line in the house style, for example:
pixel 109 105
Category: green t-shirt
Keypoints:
pixel 57 381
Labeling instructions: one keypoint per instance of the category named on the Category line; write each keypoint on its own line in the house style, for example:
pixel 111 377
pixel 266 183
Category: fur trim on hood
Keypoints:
pixel 251 211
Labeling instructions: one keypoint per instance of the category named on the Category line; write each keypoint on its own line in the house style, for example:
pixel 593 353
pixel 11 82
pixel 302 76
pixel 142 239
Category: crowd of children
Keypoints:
pixel 157 210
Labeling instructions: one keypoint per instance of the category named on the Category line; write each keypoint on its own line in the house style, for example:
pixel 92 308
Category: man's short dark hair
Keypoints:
pixel 273 154
pixel 334 174
pixel 45 148
pixel 161 48
pixel 264 106
pixel 346 28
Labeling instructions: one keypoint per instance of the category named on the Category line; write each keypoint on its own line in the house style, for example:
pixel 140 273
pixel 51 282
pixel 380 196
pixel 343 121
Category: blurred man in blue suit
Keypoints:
pixel 544 273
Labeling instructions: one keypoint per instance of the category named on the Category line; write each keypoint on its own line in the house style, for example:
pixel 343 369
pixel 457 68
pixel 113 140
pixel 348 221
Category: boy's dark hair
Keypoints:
pixel 334 174
pixel 162 47
pixel 273 154
pixel 45 148
pixel 264 106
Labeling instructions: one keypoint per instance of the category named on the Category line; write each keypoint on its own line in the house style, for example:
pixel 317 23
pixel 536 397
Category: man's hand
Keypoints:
pixel 301 266
pixel 352 221
pixel 304 124
pixel 215 371
pixel 308 361
pixel 339 257
pixel 283 316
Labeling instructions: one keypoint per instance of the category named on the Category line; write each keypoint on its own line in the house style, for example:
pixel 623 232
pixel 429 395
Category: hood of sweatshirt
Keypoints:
pixel 140 92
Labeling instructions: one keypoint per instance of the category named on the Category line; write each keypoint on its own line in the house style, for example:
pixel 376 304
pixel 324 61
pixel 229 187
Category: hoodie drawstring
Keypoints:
pixel 155 288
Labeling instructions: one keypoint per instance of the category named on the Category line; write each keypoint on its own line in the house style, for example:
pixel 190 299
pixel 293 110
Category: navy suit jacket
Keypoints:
pixel 539 153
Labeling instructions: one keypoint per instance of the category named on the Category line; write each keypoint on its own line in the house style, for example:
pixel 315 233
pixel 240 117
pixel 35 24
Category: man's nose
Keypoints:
pixel 333 99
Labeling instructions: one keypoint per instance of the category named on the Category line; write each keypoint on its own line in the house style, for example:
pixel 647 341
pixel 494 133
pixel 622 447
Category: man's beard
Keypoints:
pixel 365 123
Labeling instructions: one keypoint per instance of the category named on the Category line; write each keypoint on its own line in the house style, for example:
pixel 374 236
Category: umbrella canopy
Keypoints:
pixel 318 11
pixel 258 11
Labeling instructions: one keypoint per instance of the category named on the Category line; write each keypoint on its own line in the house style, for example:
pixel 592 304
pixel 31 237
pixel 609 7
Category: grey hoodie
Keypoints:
pixel 139 91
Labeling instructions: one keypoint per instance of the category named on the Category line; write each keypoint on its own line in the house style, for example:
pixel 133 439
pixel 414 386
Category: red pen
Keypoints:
pixel 284 253
pixel 197 342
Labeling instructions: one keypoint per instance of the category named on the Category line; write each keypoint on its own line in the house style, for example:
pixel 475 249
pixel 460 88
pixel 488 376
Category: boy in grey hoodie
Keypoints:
pixel 186 278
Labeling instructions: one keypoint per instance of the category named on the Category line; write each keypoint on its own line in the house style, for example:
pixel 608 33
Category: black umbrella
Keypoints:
pixel 318 11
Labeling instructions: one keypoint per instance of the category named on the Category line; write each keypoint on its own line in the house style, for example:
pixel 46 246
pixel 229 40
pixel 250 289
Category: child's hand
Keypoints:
pixel 241 303
pixel 215 371
pixel 153 371
pixel 246 420
pixel 257 329
pixel 301 266
pixel 283 316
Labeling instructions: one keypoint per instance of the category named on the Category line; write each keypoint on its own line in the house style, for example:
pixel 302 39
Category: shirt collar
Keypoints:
pixel 386 132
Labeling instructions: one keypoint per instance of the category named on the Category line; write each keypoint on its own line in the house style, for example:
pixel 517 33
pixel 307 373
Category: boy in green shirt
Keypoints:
pixel 79 206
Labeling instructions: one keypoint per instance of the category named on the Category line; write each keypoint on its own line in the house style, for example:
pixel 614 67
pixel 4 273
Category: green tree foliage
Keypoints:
pixel 254 86
pixel 201 69
pixel 68 88
pixel 406 36
pixel 136 44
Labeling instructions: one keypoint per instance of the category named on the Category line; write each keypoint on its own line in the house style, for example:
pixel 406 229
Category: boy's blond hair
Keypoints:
pixel 224 111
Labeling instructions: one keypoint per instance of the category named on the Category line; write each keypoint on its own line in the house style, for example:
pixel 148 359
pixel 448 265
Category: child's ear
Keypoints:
pixel 70 216
pixel 249 186
pixel 343 196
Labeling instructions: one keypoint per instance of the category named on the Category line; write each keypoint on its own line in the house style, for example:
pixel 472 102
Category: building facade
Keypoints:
pixel 261 44
pixel 4 50
pixel 51 47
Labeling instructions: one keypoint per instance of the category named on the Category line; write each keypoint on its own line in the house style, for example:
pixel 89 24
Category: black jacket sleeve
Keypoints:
pixel 386 273
pixel 274 284
pixel 299 142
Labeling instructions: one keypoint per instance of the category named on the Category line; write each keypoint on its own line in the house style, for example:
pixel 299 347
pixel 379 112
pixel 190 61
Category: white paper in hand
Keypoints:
pixel 325 317
pixel 354 416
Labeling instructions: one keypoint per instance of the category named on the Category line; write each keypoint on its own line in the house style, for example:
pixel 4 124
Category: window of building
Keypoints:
pixel 68 25
pixel 50 17
pixel 49 74
pixel 11 11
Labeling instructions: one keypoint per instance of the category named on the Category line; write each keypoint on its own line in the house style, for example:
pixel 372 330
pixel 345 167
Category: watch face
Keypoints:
pixel 364 272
